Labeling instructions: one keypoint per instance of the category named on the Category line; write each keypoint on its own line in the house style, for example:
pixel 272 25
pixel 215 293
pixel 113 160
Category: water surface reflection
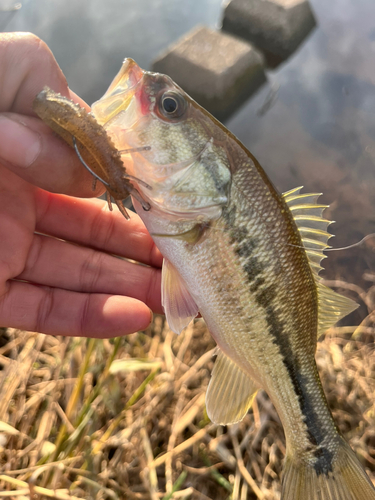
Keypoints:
pixel 318 130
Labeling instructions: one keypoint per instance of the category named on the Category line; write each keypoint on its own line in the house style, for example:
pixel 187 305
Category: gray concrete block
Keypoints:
pixel 276 27
pixel 214 68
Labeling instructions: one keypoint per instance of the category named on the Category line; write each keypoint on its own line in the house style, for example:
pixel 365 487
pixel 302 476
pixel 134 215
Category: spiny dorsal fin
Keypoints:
pixel 230 393
pixel 307 214
pixel 312 227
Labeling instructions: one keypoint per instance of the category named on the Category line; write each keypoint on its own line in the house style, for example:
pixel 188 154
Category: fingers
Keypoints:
pixel 80 290
pixel 61 312
pixel 17 222
pixel 31 150
pixel 27 65
pixel 89 223
pixel 59 264
pixel 27 146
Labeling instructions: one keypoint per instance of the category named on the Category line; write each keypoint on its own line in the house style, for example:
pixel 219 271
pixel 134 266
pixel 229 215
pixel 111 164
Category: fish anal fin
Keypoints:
pixel 230 392
pixel 332 307
pixel 179 306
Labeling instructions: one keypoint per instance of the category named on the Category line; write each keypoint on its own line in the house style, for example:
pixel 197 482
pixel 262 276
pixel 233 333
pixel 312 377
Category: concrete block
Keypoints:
pixel 214 68
pixel 276 27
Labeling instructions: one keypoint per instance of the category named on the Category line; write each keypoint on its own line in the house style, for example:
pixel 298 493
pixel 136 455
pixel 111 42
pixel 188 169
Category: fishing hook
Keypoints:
pixel 126 176
pixel 85 164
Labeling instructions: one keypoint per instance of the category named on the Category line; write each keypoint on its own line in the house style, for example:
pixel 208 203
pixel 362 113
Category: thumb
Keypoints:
pixel 31 150
pixel 27 146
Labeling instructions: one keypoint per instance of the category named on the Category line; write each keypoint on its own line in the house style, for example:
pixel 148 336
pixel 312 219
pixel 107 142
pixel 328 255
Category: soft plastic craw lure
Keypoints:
pixel 93 145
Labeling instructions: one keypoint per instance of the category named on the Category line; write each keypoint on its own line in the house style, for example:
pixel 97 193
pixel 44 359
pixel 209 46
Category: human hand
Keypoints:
pixel 70 287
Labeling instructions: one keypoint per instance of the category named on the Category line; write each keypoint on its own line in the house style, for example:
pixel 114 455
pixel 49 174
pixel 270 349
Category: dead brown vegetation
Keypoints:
pixel 125 419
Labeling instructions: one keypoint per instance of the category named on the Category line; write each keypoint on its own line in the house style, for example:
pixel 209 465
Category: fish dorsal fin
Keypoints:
pixel 307 214
pixel 179 306
pixel 230 393
pixel 332 307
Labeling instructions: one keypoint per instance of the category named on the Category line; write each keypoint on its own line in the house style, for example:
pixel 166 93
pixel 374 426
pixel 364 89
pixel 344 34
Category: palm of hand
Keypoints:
pixel 54 286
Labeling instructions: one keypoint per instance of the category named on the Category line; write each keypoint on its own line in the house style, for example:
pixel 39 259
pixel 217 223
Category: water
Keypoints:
pixel 320 133
pixel 90 38
pixel 319 130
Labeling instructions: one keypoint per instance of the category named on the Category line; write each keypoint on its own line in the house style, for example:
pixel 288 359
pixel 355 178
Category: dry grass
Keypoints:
pixel 125 419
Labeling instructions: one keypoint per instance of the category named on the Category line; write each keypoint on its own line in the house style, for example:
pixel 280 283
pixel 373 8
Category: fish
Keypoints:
pixel 245 257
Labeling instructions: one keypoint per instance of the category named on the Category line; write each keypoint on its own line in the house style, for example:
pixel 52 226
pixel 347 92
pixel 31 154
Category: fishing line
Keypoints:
pixel 134 150
pixel 368 236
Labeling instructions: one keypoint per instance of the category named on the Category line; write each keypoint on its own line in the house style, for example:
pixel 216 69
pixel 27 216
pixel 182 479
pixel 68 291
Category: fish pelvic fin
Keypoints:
pixel 308 216
pixel 179 306
pixel 346 481
pixel 230 393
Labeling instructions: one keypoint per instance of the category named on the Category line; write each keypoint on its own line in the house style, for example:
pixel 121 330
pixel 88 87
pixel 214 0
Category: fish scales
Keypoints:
pixel 245 257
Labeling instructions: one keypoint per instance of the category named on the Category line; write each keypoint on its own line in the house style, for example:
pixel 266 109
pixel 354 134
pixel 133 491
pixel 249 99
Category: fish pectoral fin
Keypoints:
pixel 190 236
pixel 179 306
pixel 230 393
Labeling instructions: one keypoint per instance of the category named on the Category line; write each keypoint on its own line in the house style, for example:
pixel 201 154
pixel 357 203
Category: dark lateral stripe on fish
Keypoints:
pixel 244 246
pixel 315 431
pixel 257 283
pixel 324 462
pixel 253 268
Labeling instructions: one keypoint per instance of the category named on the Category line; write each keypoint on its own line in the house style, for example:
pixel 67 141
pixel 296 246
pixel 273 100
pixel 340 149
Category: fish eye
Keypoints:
pixel 172 105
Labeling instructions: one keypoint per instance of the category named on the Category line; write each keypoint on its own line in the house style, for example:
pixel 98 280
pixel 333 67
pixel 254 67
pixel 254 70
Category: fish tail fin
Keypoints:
pixel 346 480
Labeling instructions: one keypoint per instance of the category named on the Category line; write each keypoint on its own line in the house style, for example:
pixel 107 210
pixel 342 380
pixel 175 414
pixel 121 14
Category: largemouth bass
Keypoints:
pixel 246 258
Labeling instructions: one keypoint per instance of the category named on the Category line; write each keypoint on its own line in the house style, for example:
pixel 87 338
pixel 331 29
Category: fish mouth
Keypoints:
pixel 126 79
pixel 120 93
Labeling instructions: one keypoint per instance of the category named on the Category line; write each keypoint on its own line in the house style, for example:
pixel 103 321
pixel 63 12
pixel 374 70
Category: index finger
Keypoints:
pixel 90 223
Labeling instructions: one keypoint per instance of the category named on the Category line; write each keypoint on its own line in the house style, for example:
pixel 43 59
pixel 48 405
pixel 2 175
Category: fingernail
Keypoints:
pixel 19 145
